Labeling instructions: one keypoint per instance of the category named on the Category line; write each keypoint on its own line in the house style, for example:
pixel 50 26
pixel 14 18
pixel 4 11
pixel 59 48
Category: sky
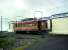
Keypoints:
pixel 12 10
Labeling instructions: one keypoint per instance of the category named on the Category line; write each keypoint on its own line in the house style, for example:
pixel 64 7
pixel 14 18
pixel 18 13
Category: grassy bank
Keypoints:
pixel 6 40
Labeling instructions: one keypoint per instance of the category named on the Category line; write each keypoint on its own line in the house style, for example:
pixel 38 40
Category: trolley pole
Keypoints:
pixel 1 23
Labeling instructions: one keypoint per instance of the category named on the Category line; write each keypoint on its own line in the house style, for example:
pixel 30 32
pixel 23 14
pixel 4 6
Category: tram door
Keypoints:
pixel 39 25
pixel 42 25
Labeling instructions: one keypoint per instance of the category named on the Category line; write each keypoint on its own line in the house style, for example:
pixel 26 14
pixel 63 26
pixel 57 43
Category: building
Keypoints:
pixel 59 23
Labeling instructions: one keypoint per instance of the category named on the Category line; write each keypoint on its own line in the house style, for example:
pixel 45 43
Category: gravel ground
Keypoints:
pixel 24 39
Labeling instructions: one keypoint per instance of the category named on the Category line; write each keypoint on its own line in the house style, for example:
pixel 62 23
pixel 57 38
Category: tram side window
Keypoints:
pixel 44 25
pixel 34 24
pixel 26 25
pixel 29 25
pixel 18 25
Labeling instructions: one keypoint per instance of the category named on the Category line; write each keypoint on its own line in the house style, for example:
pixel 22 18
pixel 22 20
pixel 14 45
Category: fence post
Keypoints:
pixel 1 23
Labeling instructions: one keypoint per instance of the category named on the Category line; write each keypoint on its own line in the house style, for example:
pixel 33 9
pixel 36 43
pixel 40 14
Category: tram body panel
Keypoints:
pixel 26 26
pixel 32 26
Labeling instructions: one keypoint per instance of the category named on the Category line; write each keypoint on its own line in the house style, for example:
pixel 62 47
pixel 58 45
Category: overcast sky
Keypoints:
pixel 13 9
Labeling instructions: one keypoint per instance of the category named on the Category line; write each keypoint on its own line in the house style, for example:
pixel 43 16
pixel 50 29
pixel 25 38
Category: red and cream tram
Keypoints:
pixel 31 25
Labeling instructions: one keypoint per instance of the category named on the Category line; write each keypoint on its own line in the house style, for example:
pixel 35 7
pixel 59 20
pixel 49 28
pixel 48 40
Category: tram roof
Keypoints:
pixel 44 18
pixel 28 19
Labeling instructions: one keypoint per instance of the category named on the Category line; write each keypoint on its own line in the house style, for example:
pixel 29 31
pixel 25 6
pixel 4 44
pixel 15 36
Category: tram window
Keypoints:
pixel 44 25
pixel 18 25
pixel 34 24
pixel 26 25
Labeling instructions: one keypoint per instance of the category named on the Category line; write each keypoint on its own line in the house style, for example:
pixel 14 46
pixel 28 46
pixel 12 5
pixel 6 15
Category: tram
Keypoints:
pixel 30 25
